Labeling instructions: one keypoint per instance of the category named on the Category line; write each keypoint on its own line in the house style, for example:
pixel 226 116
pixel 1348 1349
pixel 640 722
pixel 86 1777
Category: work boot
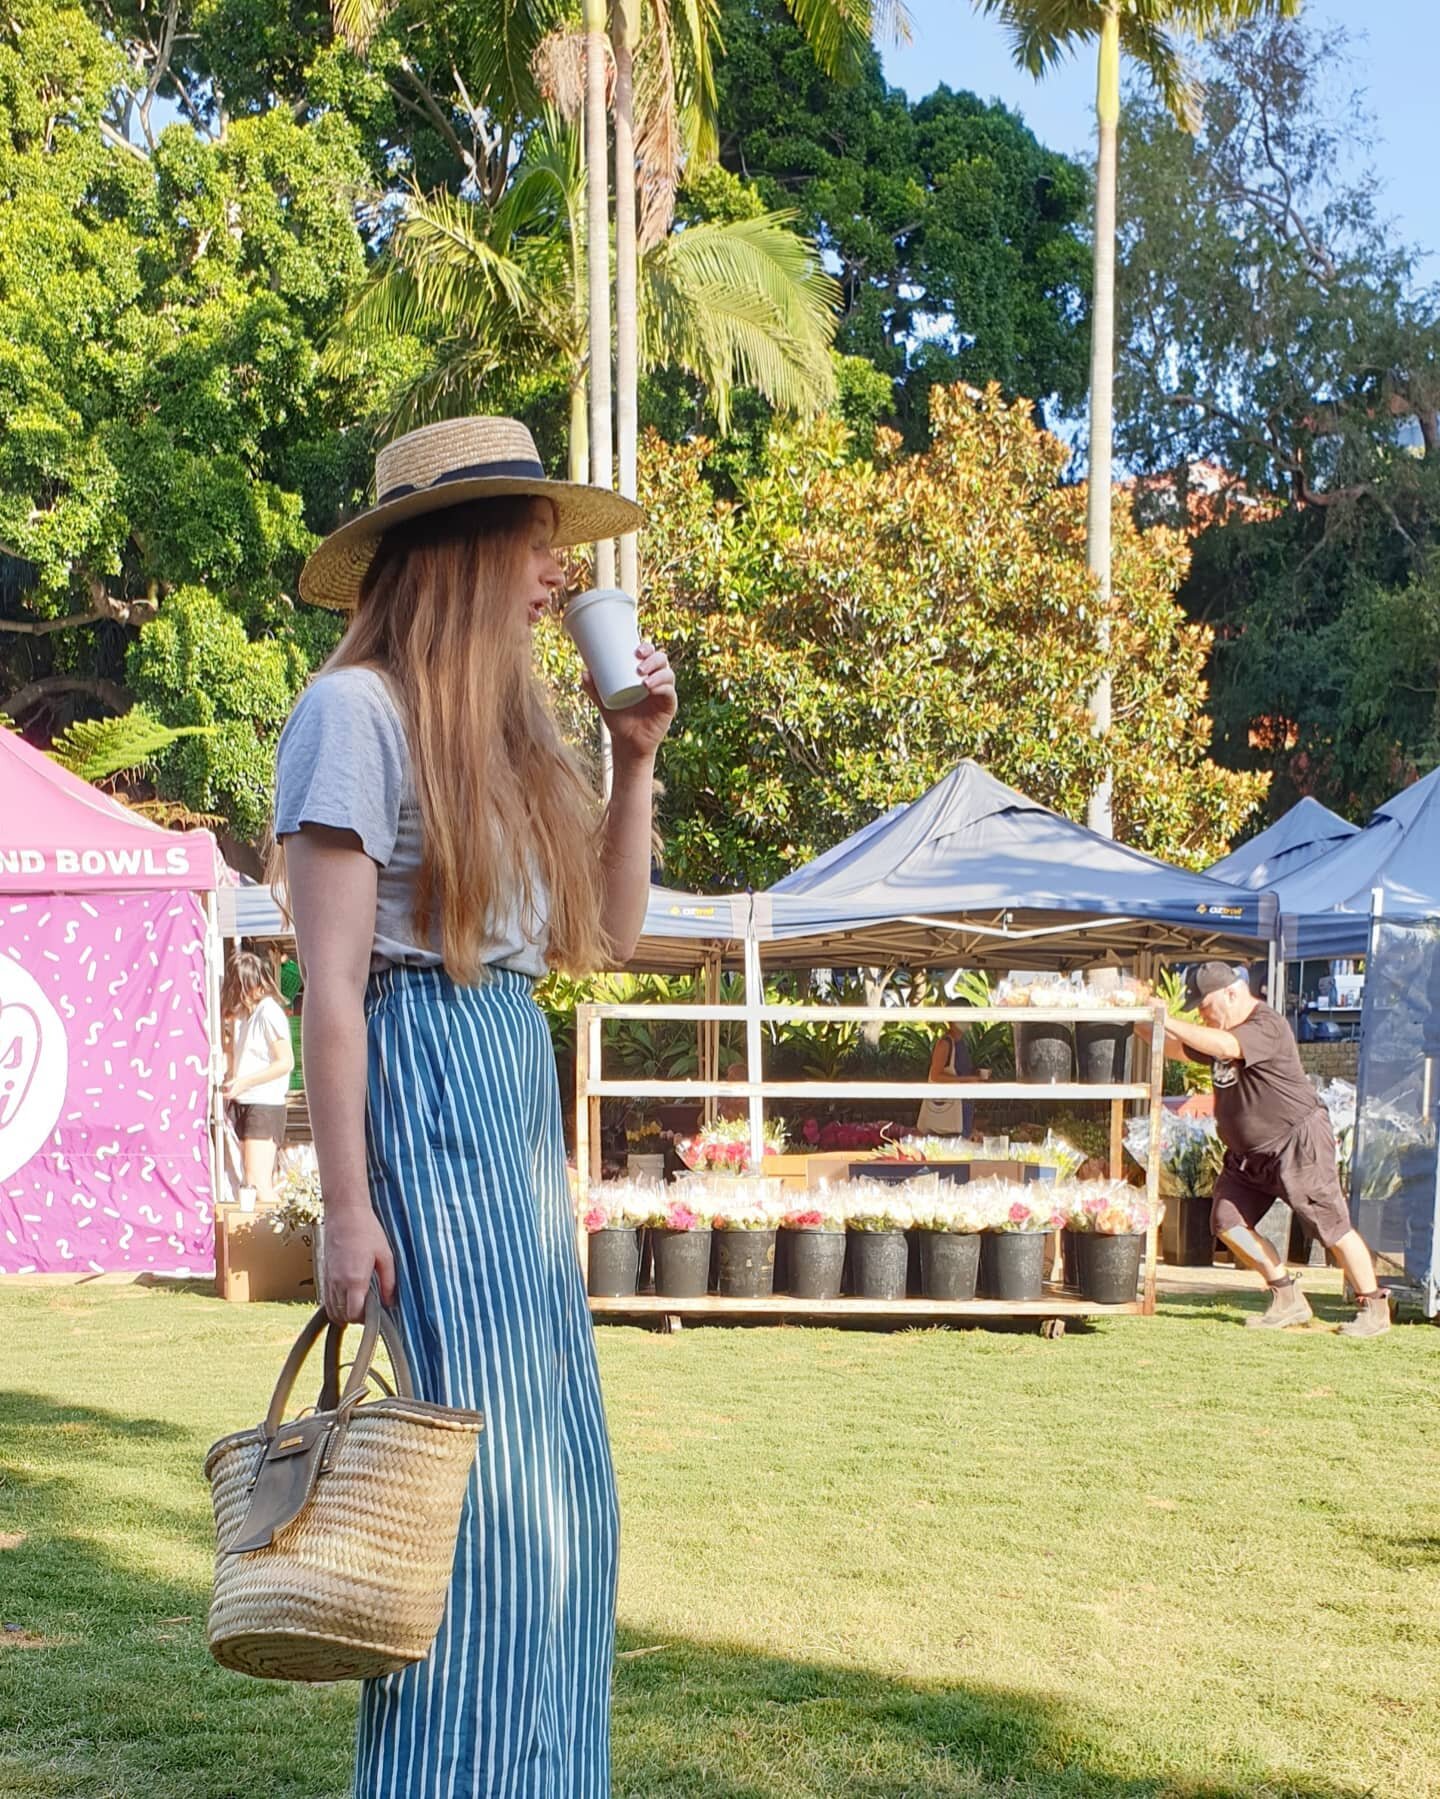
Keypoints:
pixel 1372 1317
pixel 1288 1305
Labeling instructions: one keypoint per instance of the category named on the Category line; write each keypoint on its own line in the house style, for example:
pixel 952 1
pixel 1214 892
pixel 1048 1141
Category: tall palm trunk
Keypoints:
pixel 1099 812
pixel 597 249
pixel 624 27
pixel 579 438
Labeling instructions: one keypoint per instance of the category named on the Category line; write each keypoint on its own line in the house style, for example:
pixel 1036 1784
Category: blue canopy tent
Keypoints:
pixel 1325 907
pixel 682 931
pixel 975 874
pixel 1305 833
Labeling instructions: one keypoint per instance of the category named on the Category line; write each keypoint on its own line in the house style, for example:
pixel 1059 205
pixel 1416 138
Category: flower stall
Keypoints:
pixel 914 1227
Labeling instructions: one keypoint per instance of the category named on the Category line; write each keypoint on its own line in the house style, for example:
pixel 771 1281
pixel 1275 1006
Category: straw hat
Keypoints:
pixel 447 465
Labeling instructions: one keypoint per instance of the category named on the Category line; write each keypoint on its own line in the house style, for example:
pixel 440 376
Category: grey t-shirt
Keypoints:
pixel 343 760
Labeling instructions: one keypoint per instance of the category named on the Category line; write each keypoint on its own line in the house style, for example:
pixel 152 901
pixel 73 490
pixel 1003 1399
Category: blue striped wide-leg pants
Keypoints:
pixel 467 1173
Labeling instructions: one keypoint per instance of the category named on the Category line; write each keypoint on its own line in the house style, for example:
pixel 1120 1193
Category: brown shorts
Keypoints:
pixel 259 1124
pixel 1301 1172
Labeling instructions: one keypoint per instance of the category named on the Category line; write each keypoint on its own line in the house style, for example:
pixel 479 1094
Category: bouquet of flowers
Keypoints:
pixel 1106 1208
pixel 823 1210
pixel 957 1207
pixel 301 1207
pixel 1054 1152
pixel 1065 996
pixel 1190 1152
pixel 843 1134
pixel 754 1205
pixel 619 1205
pixel 1004 1206
pixel 724 1146
pixel 887 1205
pixel 673 1214
pixel 935 1149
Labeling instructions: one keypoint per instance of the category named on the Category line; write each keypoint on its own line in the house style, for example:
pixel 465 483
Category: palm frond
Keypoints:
pixel 357 22
pixel 454 266
pixel 659 150
pixel 743 304
pixel 838 31
pixel 96 748
pixel 503 38
pixel 1045 33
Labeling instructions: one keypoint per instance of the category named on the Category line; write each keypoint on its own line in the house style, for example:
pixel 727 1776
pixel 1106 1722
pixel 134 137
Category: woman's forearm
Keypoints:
pixel 625 852
pixel 334 1046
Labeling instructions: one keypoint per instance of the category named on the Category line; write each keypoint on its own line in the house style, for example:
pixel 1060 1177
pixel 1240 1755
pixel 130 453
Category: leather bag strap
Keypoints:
pixel 379 1328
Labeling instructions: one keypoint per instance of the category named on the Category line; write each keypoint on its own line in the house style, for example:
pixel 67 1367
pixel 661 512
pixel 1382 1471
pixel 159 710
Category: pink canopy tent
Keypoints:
pixel 109 1017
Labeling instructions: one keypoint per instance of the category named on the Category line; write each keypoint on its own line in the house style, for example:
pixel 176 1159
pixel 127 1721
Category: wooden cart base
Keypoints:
pixel 1051 1312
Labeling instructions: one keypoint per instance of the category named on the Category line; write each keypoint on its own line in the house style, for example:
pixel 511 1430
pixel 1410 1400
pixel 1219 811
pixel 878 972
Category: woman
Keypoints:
pixel 259 1057
pixel 442 847
pixel 950 1061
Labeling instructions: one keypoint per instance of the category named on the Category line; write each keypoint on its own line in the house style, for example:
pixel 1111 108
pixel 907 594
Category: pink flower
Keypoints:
pixel 1019 1214
pixel 805 1221
pixel 679 1217
pixel 596 1219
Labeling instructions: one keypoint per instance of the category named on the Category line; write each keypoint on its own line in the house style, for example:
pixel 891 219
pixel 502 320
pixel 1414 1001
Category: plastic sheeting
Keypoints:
pixel 1394 1190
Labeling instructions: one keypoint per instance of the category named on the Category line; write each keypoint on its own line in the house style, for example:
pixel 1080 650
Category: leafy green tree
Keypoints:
pixel 167 434
pixel 852 628
pixel 956 237
pixel 1304 385
pixel 1315 392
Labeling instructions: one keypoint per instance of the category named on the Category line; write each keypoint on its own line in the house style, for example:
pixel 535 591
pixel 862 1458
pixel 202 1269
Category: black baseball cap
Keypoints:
pixel 1210 977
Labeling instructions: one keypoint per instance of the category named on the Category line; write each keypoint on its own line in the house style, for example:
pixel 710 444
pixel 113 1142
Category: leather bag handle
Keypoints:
pixel 379 1328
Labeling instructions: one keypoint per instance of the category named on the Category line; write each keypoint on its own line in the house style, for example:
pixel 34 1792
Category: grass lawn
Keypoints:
pixel 1164 1557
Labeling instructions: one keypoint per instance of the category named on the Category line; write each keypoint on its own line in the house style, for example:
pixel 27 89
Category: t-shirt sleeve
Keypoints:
pixel 341 762
pixel 274 1026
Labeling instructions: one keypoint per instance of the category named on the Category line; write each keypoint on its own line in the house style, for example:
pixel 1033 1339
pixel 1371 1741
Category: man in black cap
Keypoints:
pixel 1278 1145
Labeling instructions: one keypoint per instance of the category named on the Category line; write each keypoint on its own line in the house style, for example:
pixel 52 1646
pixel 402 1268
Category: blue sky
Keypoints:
pixel 1396 57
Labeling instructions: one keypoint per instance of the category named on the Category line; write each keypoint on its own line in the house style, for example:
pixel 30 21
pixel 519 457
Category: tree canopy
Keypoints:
pixel 957 238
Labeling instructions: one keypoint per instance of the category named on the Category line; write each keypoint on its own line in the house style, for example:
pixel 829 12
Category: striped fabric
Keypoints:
pixel 468 1175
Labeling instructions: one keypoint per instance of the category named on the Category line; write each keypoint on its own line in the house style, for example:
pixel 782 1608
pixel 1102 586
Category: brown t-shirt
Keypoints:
pixel 1261 1101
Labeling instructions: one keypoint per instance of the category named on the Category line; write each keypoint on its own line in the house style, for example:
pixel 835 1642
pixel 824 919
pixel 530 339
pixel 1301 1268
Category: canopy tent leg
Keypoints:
pixel 754 1000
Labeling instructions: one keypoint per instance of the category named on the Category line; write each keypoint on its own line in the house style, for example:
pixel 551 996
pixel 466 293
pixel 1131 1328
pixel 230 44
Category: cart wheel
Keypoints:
pixel 670 1323
pixel 1052 1327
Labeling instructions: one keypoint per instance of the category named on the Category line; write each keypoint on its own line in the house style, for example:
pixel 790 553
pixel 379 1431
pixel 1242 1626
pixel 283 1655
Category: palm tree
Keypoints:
pixel 665 120
pixel 1043 33
pixel 739 304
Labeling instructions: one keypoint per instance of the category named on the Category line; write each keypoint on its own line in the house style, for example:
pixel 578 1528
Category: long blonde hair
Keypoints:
pixel 504 802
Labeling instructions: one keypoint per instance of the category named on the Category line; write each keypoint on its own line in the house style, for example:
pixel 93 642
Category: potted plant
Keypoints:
pixel 1012 1249
pixel 950 1223
pixel 815 1245
pixel 612 1217
pixel 681 1237
pixel 877 1216
pixel 1110 1219
pixel 645 1148
pixel 301 1213
pixel 746 1217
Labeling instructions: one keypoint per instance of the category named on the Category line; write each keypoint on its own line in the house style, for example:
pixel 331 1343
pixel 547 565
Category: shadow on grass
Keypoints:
pixel 107 1690
pixel 693 1721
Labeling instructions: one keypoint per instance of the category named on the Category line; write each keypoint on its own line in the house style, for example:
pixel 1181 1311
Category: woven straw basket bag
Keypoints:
pixel 335 1532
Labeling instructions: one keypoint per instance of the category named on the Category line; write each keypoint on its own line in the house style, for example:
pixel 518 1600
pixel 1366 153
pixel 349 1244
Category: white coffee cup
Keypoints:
pixel 602 626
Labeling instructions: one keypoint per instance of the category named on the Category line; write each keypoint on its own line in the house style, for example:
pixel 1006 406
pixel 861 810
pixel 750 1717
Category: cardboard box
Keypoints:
pixel 253 1260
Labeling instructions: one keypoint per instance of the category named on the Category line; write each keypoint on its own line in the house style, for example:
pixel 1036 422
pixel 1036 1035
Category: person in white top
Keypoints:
pixel 259 1058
